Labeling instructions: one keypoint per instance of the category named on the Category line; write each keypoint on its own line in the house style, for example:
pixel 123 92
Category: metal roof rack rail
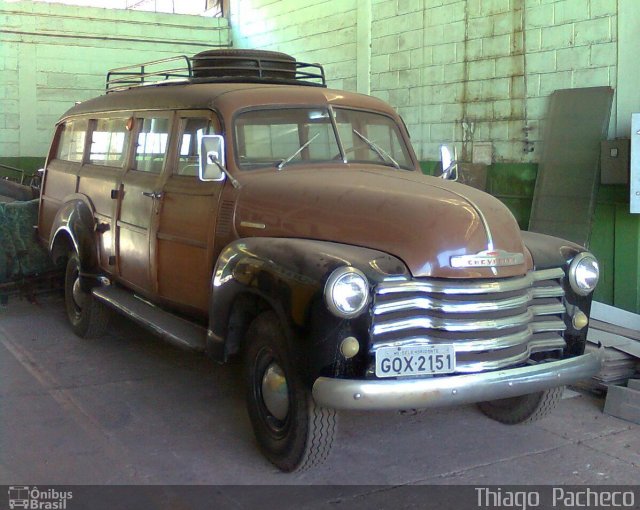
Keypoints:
pixel 208 67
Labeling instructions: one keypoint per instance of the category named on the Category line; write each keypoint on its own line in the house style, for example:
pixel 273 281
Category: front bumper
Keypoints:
pixel 397 394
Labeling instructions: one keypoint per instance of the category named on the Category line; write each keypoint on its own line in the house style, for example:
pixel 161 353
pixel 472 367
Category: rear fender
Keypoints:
pixel 75 225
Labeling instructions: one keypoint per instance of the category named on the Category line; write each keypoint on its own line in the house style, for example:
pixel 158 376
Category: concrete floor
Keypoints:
pixel 128 409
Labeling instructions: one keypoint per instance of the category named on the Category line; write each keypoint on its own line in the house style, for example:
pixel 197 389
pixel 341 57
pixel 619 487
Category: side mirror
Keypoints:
pixel 211 158
pixel 448 158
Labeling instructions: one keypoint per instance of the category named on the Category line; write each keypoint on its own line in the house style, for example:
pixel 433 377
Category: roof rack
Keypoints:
pixel 215 69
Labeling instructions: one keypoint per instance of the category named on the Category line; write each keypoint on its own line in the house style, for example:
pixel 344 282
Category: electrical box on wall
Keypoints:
pixel 634 178
pixel 614 161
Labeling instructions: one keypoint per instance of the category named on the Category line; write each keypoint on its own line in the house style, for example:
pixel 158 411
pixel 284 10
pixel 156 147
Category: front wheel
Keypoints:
pixel 292 431
pixel 524 409
pixel 88 317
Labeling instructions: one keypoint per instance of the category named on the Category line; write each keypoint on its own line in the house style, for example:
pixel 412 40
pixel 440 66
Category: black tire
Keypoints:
pixel 205 63
pixel 88 317
pixel 524 409
pixel 303 437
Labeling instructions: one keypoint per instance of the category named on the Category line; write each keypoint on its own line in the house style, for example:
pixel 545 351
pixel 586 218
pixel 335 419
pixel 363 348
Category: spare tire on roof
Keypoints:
pixel 243 63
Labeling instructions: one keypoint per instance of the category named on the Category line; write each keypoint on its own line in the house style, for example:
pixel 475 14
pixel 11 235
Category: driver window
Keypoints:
pixel 192 133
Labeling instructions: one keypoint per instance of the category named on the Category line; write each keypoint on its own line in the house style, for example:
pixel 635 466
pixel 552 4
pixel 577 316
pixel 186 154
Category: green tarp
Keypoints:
pixel 21 255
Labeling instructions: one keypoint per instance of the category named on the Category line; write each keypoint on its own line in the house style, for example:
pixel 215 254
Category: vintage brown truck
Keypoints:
pixel 233 204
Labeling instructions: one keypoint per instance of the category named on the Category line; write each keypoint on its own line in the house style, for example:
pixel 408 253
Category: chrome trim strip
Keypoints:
pixel 472 287
pixel 449 306
pixel 252 224
pixel 493 258
pixel 548 291
pixel 462 346
pixel 423 393
pixel 552 309
pixel 547 344
pixel 478 211
pixel 547 326
pixel 513 321
pixel 461 325
pixel 534 346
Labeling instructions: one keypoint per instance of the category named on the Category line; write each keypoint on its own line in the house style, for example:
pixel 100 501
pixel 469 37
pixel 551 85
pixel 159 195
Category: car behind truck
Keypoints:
pixel 233 204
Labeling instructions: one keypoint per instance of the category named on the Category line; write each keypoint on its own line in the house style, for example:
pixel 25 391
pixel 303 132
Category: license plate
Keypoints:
pixel 415 360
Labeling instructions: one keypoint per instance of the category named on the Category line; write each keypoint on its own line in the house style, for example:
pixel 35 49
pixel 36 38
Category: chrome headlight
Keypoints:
pixel 584 273
pixel 346 292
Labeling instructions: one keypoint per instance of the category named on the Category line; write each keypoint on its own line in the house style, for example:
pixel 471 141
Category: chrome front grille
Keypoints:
pixel 491 323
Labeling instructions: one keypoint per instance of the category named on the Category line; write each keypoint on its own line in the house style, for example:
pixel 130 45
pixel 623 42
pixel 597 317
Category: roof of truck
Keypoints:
pixel 225 97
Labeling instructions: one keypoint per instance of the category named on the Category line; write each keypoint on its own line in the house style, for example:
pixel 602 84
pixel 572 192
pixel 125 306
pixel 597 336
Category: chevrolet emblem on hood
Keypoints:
pixel 488 258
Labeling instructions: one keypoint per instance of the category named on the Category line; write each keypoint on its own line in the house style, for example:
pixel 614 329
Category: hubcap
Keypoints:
pixel 78 295
pixel 275 392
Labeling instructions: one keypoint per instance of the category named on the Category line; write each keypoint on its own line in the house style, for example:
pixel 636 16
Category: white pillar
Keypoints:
pixel 628 69
pixel 363 47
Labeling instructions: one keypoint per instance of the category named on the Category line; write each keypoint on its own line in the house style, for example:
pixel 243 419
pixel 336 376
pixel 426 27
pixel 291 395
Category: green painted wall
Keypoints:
pixel 29 164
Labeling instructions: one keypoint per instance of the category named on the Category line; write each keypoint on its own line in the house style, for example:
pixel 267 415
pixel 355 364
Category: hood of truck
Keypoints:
pixel 422 220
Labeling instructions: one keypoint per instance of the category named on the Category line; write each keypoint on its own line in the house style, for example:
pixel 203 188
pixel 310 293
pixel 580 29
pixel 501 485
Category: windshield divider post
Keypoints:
pixel 332 115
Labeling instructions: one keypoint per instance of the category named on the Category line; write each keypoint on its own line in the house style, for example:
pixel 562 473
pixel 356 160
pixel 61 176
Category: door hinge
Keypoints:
pixel 112 260
pixel 115 194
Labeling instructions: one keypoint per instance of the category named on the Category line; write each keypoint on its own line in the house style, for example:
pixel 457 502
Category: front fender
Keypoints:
pixel 548 252
pixel 75 220
pixel 289 275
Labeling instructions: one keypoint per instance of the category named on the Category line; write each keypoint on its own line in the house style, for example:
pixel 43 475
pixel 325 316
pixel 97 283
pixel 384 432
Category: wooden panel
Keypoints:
pixel 187 215
pixel 184 240
pixel 97 182
pixel 134 256
pixel 185 274
pixel 61 179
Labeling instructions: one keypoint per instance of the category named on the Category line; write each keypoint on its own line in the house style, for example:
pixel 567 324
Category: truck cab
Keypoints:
pixel 239 207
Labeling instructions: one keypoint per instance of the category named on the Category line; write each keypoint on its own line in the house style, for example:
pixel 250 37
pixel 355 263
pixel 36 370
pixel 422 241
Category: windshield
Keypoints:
pixel 276 138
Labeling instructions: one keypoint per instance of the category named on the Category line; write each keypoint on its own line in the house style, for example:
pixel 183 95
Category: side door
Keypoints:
pixel 139 197
pixel 108 147
pixel 186 223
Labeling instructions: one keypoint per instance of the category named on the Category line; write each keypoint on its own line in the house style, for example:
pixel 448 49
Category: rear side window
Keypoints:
pixel 153 137
pixel 72 137
pixel 108 142
pixel 192 133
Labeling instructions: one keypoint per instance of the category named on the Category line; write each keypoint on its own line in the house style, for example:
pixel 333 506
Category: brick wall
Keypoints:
pixel 321 31
pixel 52 55
pixel 457 70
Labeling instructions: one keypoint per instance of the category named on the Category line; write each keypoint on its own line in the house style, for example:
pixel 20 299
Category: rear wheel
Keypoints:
pixel 292 431
pixel 524 409
pixel 88 317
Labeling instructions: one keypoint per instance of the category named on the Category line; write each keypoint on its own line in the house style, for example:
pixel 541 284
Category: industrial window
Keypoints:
pixel 71 143
pixel 188 159
pixel 153 135
pixel 108 142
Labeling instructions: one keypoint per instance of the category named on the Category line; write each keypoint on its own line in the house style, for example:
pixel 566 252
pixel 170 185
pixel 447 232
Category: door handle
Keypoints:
pixel 153 194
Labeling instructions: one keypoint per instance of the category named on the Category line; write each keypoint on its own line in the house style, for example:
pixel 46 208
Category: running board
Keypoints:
pixel 169 327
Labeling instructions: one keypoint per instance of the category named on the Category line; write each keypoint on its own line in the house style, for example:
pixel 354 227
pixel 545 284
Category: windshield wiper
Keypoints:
pixel 384 155
pixel 302 147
